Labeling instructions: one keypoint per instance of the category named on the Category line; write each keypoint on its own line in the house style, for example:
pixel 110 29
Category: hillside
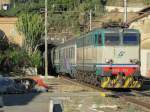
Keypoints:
pixel 71 16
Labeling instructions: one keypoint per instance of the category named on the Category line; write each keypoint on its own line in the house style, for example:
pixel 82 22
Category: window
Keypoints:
pixel 96 36
pixel 67 52
pixel 91 42
pixel 73 52
pixel 99 39
pixel 70 52
pixel 130 38
pixel 112 39
pixel 56 55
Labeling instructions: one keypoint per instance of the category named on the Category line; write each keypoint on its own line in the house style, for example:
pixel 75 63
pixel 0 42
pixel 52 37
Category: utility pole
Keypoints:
pixel 125 11
pixel 46 57
pixel 90 20
pixel 14 4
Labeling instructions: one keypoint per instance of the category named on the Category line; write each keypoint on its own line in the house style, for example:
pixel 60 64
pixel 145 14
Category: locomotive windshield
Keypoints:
pixel 112 39
pixel 130 38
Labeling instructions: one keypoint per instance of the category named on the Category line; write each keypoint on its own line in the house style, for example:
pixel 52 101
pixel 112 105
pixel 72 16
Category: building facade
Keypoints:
pixel 2 2
pixel 142 23
pixel 8 26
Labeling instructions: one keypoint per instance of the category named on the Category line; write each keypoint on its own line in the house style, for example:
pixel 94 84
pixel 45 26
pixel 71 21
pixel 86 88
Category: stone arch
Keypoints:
pixel 3 40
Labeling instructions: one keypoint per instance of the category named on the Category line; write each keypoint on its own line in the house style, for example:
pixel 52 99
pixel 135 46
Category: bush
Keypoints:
pixel 35 59
pixel 147 2
pixel 20 58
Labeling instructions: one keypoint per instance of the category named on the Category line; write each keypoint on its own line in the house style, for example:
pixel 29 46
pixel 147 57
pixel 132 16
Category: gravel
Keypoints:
pixel 77 98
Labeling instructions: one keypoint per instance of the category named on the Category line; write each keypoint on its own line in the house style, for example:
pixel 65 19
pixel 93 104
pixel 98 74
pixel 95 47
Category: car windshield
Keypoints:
pixel 130 38
pixel 112 39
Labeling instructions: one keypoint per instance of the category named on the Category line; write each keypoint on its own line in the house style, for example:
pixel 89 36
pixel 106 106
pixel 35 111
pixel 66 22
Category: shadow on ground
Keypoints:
pixel 18 99
pixel 57 108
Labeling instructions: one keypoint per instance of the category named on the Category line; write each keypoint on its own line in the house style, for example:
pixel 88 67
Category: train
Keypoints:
pixel 104 57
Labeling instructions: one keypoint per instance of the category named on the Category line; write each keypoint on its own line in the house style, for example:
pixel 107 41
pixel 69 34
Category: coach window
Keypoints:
pixel 64 53
pixel 59 54
pixel 112 39
pixel 70 52
pixel 96 36
pixel 67 52
pixel 56 55
pixel 73 52
pixel 99 39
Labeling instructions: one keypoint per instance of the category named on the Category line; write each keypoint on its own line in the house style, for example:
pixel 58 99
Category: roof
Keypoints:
pixel 141 14
pixel 145 10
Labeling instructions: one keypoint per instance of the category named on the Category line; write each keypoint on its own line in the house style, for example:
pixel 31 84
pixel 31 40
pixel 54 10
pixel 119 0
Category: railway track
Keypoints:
pixel 126 96
pixel 73 81
pixel 137 102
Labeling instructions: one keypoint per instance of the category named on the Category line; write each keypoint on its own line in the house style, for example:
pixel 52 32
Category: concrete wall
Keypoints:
pixel 8 25
pixel 145 63
pixel 121 9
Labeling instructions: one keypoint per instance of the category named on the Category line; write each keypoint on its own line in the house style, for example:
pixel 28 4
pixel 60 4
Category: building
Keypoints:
pixel 142 23
pixel 8 26
pixel 4 2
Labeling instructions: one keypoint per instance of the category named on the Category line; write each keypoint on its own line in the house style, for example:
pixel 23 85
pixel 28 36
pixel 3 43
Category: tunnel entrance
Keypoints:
pixel 51 70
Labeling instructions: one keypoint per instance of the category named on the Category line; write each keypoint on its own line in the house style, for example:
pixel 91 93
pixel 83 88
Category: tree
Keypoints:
pixel 147 2
pixel 3 41
pixel 31 26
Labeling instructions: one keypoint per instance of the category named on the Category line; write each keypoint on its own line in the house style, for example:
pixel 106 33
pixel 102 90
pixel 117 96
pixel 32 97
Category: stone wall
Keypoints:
pixel 121 9
pixel 8 26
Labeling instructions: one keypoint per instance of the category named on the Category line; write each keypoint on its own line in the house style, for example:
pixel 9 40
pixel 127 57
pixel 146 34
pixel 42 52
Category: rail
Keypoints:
pixel 125 96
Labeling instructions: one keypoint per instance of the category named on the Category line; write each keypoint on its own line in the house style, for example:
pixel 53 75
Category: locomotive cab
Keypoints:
pixel 118 58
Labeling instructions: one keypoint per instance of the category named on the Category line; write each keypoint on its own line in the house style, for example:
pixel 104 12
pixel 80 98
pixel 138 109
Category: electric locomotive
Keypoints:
pixel 109 58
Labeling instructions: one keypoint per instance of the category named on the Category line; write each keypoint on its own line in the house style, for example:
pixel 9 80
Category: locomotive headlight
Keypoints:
pixel 134 61
pixel 109 61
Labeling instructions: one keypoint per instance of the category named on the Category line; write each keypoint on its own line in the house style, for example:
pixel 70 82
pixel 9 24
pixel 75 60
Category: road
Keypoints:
pixel 26 102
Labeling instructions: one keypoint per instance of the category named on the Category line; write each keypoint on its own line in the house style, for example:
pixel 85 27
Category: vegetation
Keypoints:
pixel 70 16
pixel 147 2
pixel 65 15
pixel 31 26
pixel 18 7
pixel 14 59
pixel 11 56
